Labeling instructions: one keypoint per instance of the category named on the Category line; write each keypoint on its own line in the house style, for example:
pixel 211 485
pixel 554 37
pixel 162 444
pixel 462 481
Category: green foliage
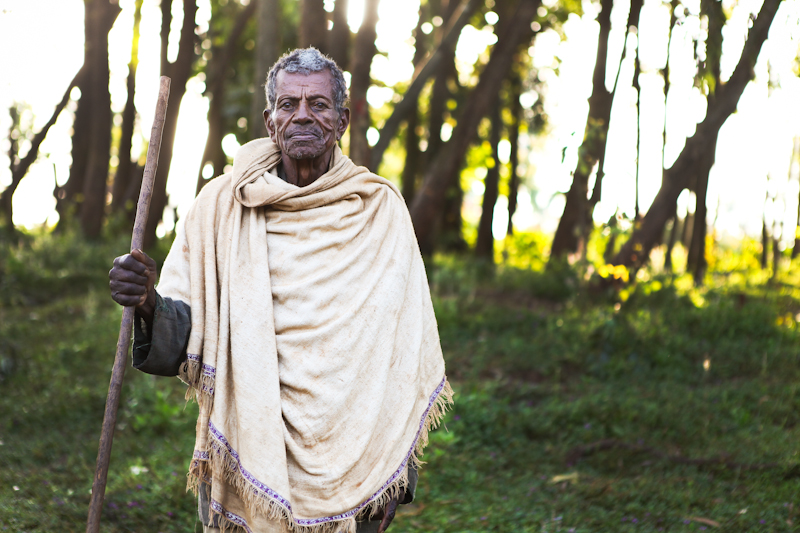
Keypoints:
pixel 541 367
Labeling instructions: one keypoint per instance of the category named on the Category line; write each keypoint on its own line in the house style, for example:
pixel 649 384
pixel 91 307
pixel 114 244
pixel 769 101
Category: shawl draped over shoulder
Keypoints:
pixel 314 353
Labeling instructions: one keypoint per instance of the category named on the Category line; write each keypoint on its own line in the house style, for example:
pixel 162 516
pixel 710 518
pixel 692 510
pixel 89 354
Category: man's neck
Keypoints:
pixel 303 172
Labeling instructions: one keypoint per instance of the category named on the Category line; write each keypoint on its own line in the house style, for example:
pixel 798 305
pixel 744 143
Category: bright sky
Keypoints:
pixel 754 149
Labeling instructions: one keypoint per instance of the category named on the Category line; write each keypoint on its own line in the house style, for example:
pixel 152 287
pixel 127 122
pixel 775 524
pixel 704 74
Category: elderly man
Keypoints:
pixel 294 303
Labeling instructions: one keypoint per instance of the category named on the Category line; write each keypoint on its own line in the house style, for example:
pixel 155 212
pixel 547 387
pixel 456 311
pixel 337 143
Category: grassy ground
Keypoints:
pixel 664 408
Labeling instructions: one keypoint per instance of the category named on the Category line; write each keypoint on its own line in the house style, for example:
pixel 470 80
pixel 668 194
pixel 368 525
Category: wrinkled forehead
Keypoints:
pixel 297 84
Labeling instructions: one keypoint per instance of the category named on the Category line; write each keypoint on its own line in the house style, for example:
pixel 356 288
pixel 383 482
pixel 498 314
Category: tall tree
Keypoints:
pixel 709 73
pixel 413 154
pixel 575 223
pixel 313 25
pixel 268 50
pixel 513 137
pixel 85 191
pixel 363 53
pixel 126 166
pixel 100 14
pixel 179 70
pixel 448 232
pixel 339 36
pixel 637 249
pixel 795 154
pixel 428 201
pixel 484 247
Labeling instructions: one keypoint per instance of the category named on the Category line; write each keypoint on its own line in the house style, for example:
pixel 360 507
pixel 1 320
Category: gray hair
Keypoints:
pixel 305 61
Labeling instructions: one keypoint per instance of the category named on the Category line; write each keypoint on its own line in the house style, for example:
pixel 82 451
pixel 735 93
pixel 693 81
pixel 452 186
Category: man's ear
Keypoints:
pixel 344 122
pixel 270 125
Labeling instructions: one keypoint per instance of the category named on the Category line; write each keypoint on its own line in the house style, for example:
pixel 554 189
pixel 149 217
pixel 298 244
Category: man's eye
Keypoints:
pixel 319 105
pixel 286 105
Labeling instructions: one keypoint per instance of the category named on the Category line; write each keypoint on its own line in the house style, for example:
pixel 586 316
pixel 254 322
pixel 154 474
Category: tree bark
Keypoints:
pixel 439 60
pixel 268 50
pixel 339 36
pixel 441 173
pixel 179 71
pixel 125 167
pixel 575 223
pixel 637 249
pixel 359 108
pixel 484 247
pixel 101 15
pixel 313 25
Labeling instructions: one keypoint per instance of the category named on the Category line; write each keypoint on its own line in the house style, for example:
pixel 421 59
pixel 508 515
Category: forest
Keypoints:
pixel 606 195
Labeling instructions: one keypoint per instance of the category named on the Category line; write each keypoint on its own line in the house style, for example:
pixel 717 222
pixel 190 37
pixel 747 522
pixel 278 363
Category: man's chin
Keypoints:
pixel 301 152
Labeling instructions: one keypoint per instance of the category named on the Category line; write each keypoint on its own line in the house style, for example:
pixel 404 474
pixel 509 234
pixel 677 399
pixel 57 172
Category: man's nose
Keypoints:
pixel 303 114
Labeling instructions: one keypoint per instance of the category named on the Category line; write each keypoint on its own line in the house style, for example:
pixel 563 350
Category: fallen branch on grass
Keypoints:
pixel 577 453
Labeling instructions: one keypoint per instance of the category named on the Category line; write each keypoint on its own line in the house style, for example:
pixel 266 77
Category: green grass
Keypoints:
pixel 541 367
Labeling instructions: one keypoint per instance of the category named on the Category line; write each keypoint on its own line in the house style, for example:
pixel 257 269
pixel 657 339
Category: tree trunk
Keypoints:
pixel 673 235
pixel 360 82
pixel 99 18
pixel 441 59
pixel 764 235
pixel 696 259
pixel 268 50
pixel 413 154
pixel 442 172
pixel 796 247
pixel 636 251
pixel 102 14
pixel 179 71
pixel 313 25
pixel 484 247
pixel 575 222
pixel 125 167
pixel 513 158
pixel 339 36
pixel 777 231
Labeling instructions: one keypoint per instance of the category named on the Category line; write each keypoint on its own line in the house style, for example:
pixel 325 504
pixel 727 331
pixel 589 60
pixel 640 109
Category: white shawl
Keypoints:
pixel 314 352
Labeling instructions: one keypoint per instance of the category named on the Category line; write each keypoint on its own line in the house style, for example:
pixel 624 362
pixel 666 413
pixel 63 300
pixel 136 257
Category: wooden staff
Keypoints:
pixel 124 341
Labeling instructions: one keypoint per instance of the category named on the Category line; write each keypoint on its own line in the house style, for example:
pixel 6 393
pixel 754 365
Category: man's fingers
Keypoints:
pixel 129 262
pixel 388 515
pixel 127 289
pixel 121 274
pixel 145 259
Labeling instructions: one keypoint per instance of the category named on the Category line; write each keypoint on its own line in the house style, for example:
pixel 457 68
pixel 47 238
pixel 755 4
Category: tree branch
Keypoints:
pixel 424 71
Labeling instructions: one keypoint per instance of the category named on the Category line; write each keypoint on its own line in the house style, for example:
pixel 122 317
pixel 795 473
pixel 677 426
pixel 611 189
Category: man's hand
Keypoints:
pixel 132 282
pixel 388 515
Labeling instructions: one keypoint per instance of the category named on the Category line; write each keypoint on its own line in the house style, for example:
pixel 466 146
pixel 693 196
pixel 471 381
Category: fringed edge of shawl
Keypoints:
pixel 200 384
pixel 220 459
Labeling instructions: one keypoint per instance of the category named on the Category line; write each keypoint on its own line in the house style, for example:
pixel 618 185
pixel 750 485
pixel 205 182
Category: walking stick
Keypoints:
pixel 123 343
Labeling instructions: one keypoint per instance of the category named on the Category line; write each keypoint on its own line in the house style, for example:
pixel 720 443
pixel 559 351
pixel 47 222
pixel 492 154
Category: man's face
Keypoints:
pixel 305 123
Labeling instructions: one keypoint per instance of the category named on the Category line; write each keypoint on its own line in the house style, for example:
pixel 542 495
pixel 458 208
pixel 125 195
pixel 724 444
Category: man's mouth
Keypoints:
pixel 304 135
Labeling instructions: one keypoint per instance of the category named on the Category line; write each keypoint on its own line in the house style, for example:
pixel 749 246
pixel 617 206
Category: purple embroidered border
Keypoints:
pixel 247 475
pixel 313 521
pixel 208 370
pixel 235 518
